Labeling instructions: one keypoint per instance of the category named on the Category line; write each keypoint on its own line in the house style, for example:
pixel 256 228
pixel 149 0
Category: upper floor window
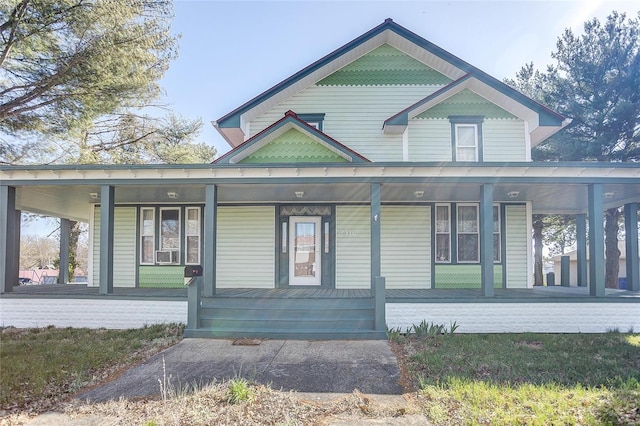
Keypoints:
pixel 466 138
pixel 315 120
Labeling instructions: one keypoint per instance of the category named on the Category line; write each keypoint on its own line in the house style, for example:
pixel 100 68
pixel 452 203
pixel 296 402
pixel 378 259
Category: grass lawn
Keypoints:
pixel 41 366
pixel 524 378
pixel 534 379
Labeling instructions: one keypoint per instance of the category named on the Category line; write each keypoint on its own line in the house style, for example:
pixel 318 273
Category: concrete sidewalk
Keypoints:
pixel 323 367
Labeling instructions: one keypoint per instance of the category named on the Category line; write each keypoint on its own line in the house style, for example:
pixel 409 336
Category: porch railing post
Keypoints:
pixel 193 303
pixel 380 322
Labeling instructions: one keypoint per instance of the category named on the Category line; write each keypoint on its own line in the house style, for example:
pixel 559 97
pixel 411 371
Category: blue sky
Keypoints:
pixel 231 51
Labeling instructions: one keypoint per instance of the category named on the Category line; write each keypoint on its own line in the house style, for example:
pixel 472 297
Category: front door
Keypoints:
pixel 305 254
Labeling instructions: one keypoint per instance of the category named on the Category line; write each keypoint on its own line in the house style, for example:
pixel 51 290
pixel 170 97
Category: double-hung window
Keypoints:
pixel 443 233
pixel 147 235
pixel 468 233
pixel 460 224
pixel 466 138
pixel 192 236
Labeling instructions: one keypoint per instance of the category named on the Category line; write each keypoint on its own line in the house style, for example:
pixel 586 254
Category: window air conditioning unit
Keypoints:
pixel 166 257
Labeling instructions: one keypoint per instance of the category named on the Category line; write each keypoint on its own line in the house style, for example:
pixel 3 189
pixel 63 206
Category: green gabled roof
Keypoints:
pixel 465 103
pixel 291 140
pixel 385 65
pixel 293 147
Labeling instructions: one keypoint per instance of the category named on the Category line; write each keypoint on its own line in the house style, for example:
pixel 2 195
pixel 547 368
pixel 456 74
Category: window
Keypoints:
pixel 147 235
pixel 466 142
pixel 314 120
pixel 468 236
pixel 466 137
pixel 466 231
pixel 496 234
pixel 192 236
pixel 443 233
pixel 169 229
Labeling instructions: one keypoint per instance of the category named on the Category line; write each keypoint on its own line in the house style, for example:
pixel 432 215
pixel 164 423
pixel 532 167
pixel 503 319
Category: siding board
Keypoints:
pixel 406 246
pixel 245 247
pixel 517 238
pixel 353 247
pixel 124 247
pixel 353 115
pixel 503 140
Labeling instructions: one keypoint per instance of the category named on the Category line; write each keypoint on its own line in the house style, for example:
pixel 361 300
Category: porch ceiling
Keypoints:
pixel 72 201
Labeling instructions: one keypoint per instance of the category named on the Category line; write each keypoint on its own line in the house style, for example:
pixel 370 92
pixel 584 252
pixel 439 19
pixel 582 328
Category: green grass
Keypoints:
pixel 527 378
pixel 41 365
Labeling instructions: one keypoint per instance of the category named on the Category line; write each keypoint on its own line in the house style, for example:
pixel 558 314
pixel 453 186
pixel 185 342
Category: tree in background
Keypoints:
pixel 65 63
pixel 73 76
pixel 595 82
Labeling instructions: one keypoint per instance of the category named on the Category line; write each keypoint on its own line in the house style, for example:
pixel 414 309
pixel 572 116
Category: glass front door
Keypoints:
pixel 305 252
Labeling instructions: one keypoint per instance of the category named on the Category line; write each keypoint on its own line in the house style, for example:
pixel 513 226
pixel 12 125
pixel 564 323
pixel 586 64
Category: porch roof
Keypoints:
pixel 66 191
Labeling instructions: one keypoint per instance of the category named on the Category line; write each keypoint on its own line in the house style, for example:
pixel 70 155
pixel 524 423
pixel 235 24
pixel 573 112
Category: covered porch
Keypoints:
pixel 585 190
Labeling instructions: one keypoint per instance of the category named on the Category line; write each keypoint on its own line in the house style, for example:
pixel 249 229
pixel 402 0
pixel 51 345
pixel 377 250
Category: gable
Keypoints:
pixel 385 65
pixel 465 103
pixel 293 147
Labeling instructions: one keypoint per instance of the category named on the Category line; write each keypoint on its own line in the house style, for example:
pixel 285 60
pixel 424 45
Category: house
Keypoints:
pixel 573 266
pixel 386 183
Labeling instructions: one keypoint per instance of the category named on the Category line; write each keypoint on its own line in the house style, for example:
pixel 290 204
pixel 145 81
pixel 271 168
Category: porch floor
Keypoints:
pixel 392 295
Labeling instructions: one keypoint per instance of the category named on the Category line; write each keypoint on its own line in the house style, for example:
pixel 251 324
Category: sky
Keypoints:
pixel 231 51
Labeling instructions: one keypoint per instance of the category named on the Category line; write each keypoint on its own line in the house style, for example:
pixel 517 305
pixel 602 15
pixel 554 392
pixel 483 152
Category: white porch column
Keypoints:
pixel 375 233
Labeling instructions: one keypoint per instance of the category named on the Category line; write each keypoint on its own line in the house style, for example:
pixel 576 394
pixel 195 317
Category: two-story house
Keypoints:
pixel 386 183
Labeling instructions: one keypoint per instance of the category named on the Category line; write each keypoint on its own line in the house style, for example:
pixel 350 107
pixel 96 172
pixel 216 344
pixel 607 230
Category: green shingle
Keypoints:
pixel 293 147
pixel 385 65
pixel 465 103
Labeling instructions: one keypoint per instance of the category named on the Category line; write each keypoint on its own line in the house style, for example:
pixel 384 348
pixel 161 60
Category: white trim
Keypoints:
pixel 474 126
pixel 141 235
pixel 435 227
pixel 315 280
pixel 405 144
pixel 527 141
pixel 187 235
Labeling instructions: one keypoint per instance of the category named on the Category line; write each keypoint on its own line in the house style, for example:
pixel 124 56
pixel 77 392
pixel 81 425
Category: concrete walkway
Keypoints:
pixel 333 366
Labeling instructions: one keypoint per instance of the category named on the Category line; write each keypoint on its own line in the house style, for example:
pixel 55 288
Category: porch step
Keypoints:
pixel 287 318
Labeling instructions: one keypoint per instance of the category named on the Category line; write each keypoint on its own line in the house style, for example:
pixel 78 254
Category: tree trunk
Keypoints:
pixel 612 254
pixel 537 240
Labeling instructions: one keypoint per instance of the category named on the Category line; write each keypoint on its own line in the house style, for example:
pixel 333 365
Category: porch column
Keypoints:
pixel 486 239
pixel 210 241
pixel 65 231
pixel 581 249
pixel 631 240
pixel 596 240
pixel 107 210
pixel 375 233
pixel 9 239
